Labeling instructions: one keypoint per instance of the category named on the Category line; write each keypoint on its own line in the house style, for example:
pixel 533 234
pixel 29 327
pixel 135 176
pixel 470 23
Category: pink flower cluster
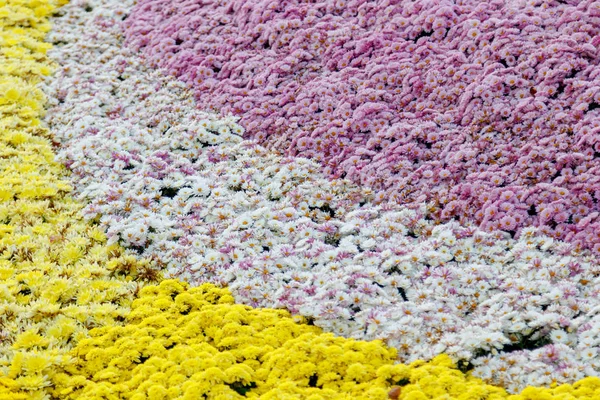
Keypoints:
pixel 488 110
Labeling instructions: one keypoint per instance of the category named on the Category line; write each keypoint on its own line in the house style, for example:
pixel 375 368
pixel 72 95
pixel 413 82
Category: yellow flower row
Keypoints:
pixel 182 343
pixel 186 343
pixel 69 325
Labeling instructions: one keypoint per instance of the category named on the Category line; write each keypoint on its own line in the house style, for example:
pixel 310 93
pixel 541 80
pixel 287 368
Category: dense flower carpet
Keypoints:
pixel 327 199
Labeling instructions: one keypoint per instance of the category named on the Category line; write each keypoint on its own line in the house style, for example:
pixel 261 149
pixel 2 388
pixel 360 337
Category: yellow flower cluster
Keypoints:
pixel 188 343
pixel 69 325
pixel 56 280
pixel 182 343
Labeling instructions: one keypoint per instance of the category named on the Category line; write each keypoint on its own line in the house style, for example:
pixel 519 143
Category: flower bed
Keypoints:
pixel 190 199
pixel 489 110
pixel 181 187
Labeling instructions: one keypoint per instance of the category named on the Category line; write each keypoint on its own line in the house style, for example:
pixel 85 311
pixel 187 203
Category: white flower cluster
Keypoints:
pixel 181 186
